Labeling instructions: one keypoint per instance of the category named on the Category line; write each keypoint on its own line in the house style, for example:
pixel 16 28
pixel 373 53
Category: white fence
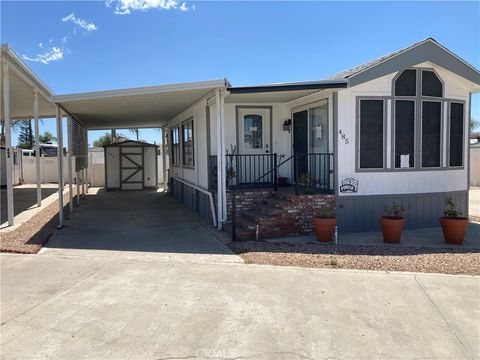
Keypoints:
pixel 48 169
pixel 475 165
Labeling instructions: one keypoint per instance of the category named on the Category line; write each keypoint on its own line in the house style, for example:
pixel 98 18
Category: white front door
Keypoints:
pixel 254 131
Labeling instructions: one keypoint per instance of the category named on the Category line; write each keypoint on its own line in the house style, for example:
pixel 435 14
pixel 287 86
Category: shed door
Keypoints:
pixel 131 168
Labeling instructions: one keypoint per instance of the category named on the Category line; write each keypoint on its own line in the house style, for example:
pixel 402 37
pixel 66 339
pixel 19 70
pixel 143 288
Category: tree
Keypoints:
pixel 25 136
pixel 103 140
pixel 46 137
pixel 135 131
pixel 14 126
pixel 474 124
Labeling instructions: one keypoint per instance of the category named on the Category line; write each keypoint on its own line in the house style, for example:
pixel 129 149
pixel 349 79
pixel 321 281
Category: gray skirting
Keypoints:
pixel 190 197
pixel 361 213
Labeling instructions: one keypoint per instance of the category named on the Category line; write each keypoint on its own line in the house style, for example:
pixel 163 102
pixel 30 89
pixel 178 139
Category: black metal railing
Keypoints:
pixel 313 173
pixel 251 171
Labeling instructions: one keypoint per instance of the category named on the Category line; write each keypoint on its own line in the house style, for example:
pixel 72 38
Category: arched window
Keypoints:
pixel 431 84
pixel 406 83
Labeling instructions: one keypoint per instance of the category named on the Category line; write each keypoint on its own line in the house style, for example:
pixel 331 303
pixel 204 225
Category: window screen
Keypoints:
pixel 371 134
pixel 431 126
pixel 431 84
pixel 406 83
pixel 252 131
pixel 187 142
pixel 456 134
pixel 404 133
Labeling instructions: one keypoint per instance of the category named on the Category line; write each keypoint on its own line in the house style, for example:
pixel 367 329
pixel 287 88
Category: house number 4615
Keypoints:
pixel 343 136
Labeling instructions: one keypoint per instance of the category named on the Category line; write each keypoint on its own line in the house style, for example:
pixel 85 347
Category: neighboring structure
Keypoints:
pixel 393 130
pixel 17 168
pixel 475 164
pixel 131 165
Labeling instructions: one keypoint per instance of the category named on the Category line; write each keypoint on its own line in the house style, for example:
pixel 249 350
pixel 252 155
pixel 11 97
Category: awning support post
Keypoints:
pixel 164 159
pixel 221 180
pixel 69 158
pixel 37 148
pixel 60 166
pixel 78 188
pixel 8 143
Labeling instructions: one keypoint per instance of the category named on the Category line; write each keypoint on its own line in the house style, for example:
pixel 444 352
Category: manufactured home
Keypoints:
pixel 395 129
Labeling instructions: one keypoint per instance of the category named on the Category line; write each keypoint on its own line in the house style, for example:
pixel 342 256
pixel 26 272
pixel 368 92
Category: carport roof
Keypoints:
pixel 136 107
pixel 22 82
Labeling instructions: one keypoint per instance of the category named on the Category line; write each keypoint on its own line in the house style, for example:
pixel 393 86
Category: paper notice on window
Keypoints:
pixel 253 128
pixel 405 161
pixel 318 131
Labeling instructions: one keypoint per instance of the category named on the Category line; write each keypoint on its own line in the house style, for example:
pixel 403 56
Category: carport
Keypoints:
pixel 23 96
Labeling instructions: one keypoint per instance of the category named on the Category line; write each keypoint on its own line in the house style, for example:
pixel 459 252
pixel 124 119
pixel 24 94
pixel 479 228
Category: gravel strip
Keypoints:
pixel 30 236
pixel 412 259
pixel 474 218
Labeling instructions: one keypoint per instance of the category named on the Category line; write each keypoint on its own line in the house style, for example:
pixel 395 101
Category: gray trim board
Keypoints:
pixel 361 212
pixel 430 51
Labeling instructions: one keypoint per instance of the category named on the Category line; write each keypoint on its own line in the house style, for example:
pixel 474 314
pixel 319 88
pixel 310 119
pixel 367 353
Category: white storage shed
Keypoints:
pixel 131 165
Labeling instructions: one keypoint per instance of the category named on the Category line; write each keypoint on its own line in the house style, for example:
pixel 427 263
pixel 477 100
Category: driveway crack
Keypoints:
pixel 443 317
pixel 48 298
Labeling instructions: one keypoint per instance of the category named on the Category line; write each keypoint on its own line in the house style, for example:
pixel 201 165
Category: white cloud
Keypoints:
pixel 54 54
pixel 81 23
pixel 125 7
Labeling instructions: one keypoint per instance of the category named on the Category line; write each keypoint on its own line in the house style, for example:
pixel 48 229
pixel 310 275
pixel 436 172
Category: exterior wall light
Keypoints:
pixel 287 125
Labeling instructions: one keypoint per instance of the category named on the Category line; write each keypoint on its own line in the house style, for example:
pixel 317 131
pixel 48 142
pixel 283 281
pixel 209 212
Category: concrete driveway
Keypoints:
pixel 86 307
pixel 474 202
pixel 146 224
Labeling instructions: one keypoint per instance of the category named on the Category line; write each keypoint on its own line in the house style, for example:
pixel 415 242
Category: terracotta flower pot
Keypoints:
pixel 454 229
pixel 324 228
pixel 392 227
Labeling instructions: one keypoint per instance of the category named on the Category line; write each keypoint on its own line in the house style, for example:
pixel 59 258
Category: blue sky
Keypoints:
pixel 247 42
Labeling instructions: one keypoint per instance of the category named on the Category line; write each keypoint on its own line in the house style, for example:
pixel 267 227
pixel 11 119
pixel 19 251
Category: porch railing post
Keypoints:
pixel 275 177
pixel 295 165
pixel 234 215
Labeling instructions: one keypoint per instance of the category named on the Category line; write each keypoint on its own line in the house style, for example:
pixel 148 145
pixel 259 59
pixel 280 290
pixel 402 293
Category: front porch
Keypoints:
pixel 309 173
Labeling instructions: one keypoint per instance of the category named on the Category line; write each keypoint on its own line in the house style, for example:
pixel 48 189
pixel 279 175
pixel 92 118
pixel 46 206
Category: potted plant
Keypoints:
pixel 454 226
pixel 392 223
pixel 324 224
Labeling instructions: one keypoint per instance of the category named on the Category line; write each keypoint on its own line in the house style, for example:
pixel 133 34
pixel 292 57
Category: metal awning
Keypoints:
pixel 137 107
pixel 280 92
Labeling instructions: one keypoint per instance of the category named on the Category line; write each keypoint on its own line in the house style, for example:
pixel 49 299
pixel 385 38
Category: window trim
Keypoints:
pixel 357 131
pixel 420 139
pixel 465 123
pixel 182 125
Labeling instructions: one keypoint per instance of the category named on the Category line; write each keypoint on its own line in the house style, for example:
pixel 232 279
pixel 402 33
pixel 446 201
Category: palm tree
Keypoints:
pixel 135 131
pixel 14 127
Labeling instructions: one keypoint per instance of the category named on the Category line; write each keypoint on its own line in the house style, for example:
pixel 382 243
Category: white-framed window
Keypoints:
pixel 187 143
pixel 175 136
pixel 417 119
